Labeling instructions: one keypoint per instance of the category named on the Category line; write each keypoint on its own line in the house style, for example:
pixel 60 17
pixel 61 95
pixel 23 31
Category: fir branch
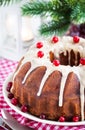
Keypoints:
pixel 57 10
pixel 7 2
pixel 61 12
pixel 78 14
pixel 54 27
pixel 75 13
pixel 39 7
pixel 72 3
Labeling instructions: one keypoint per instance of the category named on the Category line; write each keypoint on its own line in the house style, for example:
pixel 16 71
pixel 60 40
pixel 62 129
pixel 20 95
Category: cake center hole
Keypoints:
pixel 67 58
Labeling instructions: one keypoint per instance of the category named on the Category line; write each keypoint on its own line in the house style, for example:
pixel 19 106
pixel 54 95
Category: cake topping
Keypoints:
pixel 9 86
pixel 14 101
pixel 55 39
pixel 40 54
pixel 82 61
pixel 42 116
pixel 75 118
pixel 56 62
pixel 10 95
pixel 76 39
pixel 62 119
pixel 39 45
pixel 24 108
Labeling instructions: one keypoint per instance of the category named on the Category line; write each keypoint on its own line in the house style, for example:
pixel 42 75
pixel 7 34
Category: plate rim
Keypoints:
pixel 27 115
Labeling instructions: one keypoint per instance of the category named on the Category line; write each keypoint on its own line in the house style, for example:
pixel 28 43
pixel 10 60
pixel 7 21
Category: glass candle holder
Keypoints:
pixel 15 32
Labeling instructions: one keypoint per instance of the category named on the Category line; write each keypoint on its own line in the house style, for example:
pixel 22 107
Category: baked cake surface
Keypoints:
pixel 49 79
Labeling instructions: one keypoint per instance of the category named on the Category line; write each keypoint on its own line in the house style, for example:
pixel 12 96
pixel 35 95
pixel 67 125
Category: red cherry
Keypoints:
pixel 39 45
pixel 24 108
pixel 62 119
pixel 76 39
pixel 14 101
pixel 55 39
pixel 56 62
pixel 82 61
pixel 75 118
pixel 40 54
pixel 10 95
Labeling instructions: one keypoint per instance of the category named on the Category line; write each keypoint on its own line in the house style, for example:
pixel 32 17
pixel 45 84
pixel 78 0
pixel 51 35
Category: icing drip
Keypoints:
pixel 63 81
pixel 28 72
pixel 69 57
pixel 48 72
pixel 82 87
pixel 43 82
pixel 76 59
pixel 82 101
pixel 17 71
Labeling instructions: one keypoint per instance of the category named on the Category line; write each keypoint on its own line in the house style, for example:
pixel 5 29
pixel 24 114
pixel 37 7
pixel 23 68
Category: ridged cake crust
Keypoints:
pixel 51 90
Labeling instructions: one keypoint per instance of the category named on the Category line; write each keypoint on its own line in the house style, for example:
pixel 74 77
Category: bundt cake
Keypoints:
pixel 49 80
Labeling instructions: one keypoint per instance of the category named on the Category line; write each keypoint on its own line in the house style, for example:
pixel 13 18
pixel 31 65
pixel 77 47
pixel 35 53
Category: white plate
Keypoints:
pixel 27 115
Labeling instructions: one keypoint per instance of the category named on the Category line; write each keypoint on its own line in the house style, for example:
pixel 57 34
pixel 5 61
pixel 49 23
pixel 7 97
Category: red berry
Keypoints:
pixel 9 86
pixel 75 118
pixel 55 39
pixel 56 62
pixel 39 45
pixel 40 54
pixel 14 101
pixel 62 119
pixel 76 39
pixel 10 95
pixel 42 116
pixel 24 108
pixel 82 61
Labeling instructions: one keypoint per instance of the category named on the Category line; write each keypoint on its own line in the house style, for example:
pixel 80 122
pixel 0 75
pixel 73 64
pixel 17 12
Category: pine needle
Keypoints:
pixel 54 27
pixel 7 2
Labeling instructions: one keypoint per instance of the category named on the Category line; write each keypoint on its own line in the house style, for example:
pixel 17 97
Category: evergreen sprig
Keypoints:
pixel 37 7
pixel 7 2
pixel 53 28
pixel 61 12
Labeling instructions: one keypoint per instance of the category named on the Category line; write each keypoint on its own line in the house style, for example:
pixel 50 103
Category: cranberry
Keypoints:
pixel 39 45
pixel 24 108
pixel 56 62
pixel 40 54
pixel 42 116
pixel 75 118
pixel 62 119
pixel 10 95
pixel 2 128
pixel 82 61
pixel 9 85
pixel 14 101
pixel 76 39
pixel 55 39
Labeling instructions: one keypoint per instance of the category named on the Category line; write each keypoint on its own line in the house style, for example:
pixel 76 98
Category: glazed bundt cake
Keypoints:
pixel 49 80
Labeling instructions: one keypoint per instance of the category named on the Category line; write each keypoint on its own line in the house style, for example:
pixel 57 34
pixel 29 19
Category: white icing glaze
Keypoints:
pixel 65 43
pixel 82 101
pixel 82 87
pixel 63 81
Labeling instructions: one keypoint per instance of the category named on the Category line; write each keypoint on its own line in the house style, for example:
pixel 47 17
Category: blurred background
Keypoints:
pixel 23 21
pixel 17 32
